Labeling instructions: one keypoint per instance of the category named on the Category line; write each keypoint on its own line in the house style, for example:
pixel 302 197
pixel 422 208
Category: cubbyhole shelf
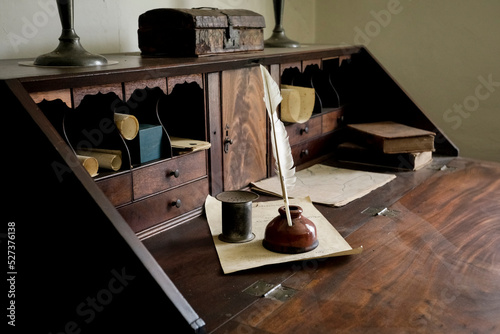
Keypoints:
pixel 328 80
pixel 91 124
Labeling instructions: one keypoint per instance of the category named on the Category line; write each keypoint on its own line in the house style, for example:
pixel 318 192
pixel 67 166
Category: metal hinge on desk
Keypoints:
pixel 380 212
pixel 268 290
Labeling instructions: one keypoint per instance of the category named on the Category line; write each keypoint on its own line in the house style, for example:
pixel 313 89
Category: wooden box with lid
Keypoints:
pixel 199 31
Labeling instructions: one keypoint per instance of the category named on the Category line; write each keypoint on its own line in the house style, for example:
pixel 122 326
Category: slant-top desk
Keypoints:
pixel 130 250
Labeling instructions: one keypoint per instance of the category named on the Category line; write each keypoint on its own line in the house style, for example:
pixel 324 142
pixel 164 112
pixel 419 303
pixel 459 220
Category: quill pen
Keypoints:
pixel 281 146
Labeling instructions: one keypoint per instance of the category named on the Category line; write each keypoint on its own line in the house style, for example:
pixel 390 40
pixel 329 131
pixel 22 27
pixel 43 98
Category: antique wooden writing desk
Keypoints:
pixel 131 249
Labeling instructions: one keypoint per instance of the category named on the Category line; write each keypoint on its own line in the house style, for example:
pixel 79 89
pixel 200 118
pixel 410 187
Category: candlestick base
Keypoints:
pixel 70 52
pixel 279 40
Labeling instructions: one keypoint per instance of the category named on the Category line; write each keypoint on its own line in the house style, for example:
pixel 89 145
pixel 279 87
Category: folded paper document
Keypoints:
pixel 328 185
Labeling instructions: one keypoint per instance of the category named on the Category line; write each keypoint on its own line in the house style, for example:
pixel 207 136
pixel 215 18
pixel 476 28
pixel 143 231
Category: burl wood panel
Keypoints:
pixel 62 94
pixel 130 87
pixel 433 268
pixel 244 121
pixel 80 92
pixel 172 81
pixel 285 66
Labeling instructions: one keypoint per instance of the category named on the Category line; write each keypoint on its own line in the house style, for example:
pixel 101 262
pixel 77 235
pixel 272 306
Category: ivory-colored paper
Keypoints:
pixel 89 163
pixel 328 185
pixel 298 103
pixel 241 256
pixel 127 125
pixel 109 159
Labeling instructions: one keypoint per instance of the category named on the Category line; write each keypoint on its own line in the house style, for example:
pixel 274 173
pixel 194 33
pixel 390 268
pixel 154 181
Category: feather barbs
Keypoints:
pixel 282 151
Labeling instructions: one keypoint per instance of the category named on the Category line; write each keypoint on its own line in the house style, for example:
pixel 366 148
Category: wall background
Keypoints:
pixel 443 53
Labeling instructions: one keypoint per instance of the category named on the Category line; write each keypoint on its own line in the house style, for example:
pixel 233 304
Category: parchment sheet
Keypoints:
pixel 328 185
pixel 241 256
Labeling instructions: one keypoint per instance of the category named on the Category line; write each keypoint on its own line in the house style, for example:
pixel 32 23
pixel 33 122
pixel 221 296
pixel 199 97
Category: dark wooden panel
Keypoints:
pixel 159 177
pixel 331 120
pixel 244 120
pixel 214 130
pixel 118 189
pixel 160 208
pixel 132 67
pixel 312 149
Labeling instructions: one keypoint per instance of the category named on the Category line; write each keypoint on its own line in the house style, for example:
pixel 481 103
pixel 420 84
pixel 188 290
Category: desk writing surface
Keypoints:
pixel 431 268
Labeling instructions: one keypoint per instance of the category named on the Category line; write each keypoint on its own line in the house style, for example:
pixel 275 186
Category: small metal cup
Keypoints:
pixel 236 215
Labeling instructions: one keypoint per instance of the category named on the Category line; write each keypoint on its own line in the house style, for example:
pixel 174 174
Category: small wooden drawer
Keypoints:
pixel 170 173
pixel 330 120
pixel 312 149
pixel 159 208
pixel 300 132
pixel 117 188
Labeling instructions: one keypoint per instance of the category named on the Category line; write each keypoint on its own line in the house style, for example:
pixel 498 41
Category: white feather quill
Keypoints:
pixel 281 146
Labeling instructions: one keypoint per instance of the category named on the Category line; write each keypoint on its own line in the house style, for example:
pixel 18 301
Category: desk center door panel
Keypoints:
pixel 244 128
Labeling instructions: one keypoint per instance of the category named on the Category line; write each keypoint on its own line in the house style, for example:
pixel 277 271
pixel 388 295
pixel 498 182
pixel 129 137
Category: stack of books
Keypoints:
pixel 387 144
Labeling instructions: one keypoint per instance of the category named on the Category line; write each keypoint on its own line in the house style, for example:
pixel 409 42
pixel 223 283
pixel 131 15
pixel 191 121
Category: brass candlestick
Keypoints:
pixel 278 39
pixel 69 52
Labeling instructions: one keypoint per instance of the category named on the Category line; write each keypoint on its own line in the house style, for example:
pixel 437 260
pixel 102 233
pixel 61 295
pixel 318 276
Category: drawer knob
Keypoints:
pixel 304 130
pixel 174 173
pixel 304 152
pixel 177 203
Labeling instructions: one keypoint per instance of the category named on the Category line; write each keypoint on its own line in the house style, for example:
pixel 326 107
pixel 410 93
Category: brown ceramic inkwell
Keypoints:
pixel 300 237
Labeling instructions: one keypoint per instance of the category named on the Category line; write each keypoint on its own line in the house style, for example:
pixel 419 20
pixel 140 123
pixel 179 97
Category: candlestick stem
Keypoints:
pixel 279 39
pixel 69 52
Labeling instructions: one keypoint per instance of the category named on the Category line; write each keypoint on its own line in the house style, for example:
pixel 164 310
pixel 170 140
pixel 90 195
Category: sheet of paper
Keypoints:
pixel 241 256
pixel 328 185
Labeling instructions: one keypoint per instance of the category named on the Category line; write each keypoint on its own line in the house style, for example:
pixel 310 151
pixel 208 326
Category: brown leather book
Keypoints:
pixel 353 153
pixel 391 137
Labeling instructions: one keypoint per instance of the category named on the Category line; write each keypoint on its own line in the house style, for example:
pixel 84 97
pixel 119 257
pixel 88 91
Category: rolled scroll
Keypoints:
pixel 127 125
pixel 89 163
pixel 109 159
pixel 298 103
pixel 290 105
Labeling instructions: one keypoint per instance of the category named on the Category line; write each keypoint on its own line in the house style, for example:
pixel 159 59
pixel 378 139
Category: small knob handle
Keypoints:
pixel 304 130
pixel 228 141
pixel 174 173
pixel 177 203
pixel 304 152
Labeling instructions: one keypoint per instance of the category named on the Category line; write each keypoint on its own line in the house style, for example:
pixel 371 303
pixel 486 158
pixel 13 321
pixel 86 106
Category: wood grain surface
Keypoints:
pixel 432 268
pixel 244 121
